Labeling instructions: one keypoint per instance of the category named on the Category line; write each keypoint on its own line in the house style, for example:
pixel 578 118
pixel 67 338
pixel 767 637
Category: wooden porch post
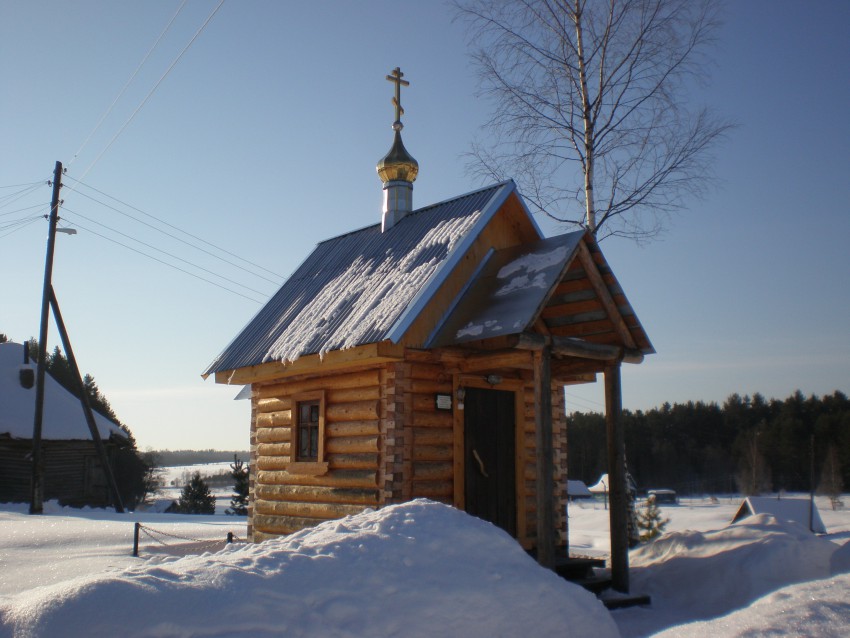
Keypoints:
pixel 545 463
pixel 619 510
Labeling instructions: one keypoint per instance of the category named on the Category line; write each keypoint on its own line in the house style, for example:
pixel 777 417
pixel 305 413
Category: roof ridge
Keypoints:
pixel 444 202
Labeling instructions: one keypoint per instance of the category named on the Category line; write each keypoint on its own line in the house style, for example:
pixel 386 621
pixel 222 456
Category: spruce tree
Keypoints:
pixel 196 497
pixel 239 500
pixel 650 522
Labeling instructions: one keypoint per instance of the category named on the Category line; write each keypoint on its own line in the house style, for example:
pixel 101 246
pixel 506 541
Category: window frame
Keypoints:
pixel 318 465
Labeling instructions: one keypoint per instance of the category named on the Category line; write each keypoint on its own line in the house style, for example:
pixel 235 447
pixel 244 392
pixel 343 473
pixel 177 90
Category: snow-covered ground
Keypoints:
pixel 419 569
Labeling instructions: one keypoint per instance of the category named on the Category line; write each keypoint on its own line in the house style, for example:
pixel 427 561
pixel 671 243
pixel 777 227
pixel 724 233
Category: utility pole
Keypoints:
pixel 37 486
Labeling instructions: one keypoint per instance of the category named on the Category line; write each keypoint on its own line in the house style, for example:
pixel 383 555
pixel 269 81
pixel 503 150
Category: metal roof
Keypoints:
pixel 508 292
pixel 364 286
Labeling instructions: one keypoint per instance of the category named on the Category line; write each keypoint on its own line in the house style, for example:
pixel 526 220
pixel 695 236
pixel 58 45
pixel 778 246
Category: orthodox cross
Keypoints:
pixel 396 79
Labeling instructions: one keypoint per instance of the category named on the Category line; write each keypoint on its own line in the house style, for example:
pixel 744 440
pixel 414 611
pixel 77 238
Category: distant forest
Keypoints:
pixel 169 458
pixel 746 445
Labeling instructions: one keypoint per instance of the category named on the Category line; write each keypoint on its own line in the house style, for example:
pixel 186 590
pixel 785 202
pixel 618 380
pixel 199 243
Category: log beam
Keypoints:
pixel 545 462
pixel 617 489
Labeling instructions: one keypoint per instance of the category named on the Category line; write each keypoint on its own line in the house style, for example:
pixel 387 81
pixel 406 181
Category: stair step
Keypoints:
pixel 621 601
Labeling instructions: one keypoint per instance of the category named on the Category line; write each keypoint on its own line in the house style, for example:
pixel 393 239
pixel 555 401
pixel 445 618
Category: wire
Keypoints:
pixel 11 198
pixel 146 245
pixel 21 226
pixel 20 185
pixel 155 87
pixel 20 210
pixel 165 263
pixel 132 77
pixel 165 223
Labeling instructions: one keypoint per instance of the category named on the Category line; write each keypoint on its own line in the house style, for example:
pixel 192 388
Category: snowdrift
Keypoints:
pixel 417 569
pixel 703 575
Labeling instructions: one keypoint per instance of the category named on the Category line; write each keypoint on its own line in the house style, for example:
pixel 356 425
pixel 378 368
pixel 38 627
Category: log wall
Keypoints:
pixel 385 442
pixel 284 501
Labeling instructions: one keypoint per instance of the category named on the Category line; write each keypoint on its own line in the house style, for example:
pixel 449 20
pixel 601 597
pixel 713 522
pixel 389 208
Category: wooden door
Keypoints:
pixel 489 449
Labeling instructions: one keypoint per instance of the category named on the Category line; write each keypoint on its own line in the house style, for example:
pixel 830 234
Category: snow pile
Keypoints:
pixel 700 575
pixel 417 569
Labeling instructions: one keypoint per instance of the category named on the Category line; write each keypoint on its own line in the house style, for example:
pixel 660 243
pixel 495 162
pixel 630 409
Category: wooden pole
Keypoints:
pixel 545 463
pixel 136 539
pixel 37 485
pixel 619 511
pixel 84 400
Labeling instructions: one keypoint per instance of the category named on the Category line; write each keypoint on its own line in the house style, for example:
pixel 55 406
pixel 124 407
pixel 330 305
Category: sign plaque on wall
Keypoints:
pixel 444 401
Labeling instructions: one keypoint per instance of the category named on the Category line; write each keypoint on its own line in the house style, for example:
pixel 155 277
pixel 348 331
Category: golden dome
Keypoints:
pixel 398 164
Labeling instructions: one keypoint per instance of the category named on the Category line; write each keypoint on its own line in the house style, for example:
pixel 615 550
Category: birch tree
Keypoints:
pixel 591 110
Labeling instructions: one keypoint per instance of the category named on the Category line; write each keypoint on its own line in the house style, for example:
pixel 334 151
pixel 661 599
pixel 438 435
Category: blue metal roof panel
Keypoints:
pixel 509 291
pixel 354 289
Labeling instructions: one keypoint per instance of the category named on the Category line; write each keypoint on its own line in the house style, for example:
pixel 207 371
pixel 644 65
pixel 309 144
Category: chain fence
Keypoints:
pixel 190 545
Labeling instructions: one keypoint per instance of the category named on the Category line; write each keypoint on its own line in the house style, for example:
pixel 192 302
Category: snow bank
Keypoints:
pixel 700 575
pixel 818 608
pixel 417 569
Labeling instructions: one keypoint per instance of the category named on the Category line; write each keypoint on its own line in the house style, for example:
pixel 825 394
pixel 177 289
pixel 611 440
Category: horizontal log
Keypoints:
pixel 432 489
pixel 353 461
pixel 424 401
pixel 282 525
pixel 346 395
pixel 273 405
pixel 273 449
pixel 315 494
pixel 353 411
pixel 419 386
pixel 274 435
pixel 338 381
pixel 339 478
pixel 353 428
pixel 325 511
pixel 432 453
pixel 428 372
pixel 351 445
pixel 434 419
pixel 272 462
pixel 274 419
pixel 432 471
pixel 433 436
pixel 495 360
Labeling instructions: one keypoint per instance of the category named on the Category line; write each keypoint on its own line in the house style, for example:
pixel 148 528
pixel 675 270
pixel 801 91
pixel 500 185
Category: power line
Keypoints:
pixel 11 198
pixel 155 87
pixel 23 224
pixel 20 210
pixel 180 230
pixel 159 250
pixel 165 263
pixel 129 81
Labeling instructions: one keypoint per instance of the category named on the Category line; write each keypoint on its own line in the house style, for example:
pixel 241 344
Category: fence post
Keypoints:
pixel 229 537
pixel 136 539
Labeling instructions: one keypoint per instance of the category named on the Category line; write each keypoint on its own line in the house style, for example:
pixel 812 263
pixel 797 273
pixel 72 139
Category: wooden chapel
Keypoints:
pixel 426 357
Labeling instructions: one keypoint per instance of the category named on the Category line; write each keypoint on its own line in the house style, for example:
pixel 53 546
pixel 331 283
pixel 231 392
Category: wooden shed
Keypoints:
pixel 426 357
pixel 73 471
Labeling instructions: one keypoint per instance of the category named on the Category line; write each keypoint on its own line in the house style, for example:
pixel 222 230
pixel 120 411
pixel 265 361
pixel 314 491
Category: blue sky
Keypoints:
pixel 263 140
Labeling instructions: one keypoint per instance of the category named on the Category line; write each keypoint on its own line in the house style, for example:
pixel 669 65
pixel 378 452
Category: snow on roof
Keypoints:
pixel 796 510
pixel 365 286
pixel 63 413
pixel 508 290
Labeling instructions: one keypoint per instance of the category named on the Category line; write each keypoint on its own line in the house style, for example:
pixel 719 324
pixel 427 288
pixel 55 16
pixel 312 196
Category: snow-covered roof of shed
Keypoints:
pixel 63 413
pixel 365 286
pixel 508 291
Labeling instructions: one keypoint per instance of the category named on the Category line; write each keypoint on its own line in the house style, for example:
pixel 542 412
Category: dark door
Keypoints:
pixel 489 446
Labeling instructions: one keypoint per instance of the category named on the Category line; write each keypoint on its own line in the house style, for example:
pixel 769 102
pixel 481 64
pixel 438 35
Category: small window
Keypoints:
pixel 307 435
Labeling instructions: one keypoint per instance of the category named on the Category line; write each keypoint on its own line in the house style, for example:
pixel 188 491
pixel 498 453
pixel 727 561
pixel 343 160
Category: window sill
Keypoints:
pixel 311 468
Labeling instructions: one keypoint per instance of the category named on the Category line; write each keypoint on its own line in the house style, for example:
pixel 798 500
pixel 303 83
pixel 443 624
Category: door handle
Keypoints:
pixel 480 464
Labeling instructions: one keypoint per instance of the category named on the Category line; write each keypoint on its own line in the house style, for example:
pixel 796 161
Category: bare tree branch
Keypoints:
pixel 590 110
